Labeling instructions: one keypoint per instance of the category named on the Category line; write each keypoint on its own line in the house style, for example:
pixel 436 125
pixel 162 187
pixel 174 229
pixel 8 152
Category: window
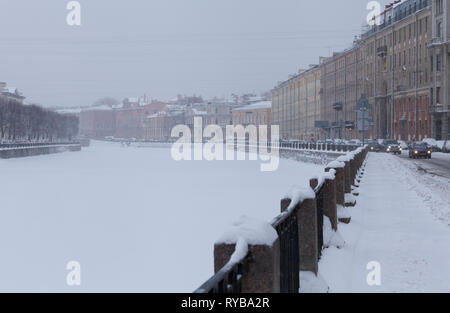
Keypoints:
pixel 439 6
pixel 439 30
pixel 438 95
pixel 438 62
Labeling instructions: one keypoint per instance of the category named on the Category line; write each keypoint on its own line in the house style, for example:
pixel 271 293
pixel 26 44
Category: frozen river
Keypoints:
pixel 133 218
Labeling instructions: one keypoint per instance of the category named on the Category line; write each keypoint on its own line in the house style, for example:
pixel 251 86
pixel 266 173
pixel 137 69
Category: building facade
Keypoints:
pixel 439 54
pixel 401 64
pixel 158 126
pixel 11 93
pixel 256 114
pixel 296 105
pixel 342 86
pixel 98 123
pixel 398 71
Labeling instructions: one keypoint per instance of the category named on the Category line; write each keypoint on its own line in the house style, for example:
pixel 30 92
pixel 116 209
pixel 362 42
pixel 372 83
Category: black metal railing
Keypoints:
pixel 298 145
pixel 31 145
pixel 319 208
pixel 228 279
pixel 286 225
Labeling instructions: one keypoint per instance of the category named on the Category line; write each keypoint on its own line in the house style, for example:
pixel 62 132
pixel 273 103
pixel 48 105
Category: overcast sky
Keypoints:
pixel 163 48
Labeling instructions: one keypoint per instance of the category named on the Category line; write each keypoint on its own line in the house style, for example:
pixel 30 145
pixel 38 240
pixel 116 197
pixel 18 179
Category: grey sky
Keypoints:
pixel 166 47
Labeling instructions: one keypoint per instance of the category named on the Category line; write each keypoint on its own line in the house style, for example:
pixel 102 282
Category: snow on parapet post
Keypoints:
pixel 329 198
pixel 339 181
pixel 258 240
pixel 303 202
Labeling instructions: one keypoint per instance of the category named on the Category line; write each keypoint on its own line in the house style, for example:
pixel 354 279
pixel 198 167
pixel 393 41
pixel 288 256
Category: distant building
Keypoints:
pixel 125 120
pixel 158 126
pixel 439 51
pixel 193 111
pixel 258 114
pixel 342 84
pixel 11 93
pixel 296 105
pixel 219 113
pixel 97 122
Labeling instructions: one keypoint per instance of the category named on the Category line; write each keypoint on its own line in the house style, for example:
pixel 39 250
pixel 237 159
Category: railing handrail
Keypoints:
pixel 40 144
pixel 227 279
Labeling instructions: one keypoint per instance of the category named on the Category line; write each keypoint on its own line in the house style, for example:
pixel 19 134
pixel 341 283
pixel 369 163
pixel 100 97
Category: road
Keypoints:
pixel 438 165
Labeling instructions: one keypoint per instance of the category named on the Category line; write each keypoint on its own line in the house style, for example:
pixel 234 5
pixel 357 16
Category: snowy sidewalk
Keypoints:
pixel 394 224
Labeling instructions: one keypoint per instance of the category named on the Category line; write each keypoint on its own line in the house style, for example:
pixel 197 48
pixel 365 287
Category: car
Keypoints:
pixel 420 150
pixel 373 145
pixel 391 146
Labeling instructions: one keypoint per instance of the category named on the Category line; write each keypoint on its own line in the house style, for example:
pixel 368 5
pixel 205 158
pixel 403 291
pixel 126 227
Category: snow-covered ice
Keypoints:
pixel 133 218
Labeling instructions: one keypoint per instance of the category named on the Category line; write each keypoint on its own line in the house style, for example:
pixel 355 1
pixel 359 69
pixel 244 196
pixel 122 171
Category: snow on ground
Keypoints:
pixel 396 222
pixel 135 219
pixel 433 189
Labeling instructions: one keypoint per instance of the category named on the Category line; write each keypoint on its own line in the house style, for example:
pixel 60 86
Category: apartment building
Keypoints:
pixel 401 64
pixel 398 71
pixel 342 82
pixel 296 105
pixel 257 114
pixel 439 58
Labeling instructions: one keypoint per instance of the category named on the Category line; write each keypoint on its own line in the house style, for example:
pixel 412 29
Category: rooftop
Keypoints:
pixel 263 105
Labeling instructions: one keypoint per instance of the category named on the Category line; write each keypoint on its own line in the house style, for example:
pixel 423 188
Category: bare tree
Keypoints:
pixel 34 123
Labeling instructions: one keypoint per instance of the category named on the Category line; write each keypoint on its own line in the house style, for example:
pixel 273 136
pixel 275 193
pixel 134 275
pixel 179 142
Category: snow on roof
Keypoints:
pixel 198 112
pixel 69 111
pixel 98 108
pixel 263 105
pixel 12 90
pixel 133 99
pixel 255 98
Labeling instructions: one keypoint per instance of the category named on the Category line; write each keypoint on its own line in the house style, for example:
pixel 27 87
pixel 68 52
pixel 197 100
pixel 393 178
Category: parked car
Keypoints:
pixel 391 146
pixel 354 142
pixel 420 150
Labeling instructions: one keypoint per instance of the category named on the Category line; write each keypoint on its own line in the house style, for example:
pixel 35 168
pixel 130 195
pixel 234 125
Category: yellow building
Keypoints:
pixel 296 105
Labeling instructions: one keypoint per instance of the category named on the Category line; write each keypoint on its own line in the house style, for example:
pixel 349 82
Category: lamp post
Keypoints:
pixel 363 107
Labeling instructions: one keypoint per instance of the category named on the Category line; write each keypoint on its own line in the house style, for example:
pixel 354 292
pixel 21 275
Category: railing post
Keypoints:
pixel 263 272
pixel 339 180
pixel 307 226
pixel 347 178
pixel 329 199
